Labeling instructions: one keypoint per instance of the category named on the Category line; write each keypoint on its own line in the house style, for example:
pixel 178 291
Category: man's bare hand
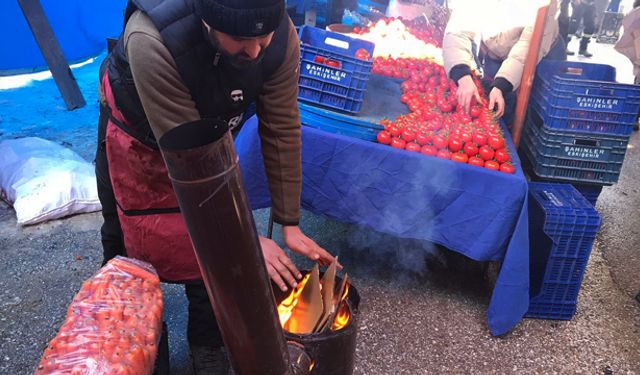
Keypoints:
pixel 467 90
pixel 280 268
pixel 301 244
pixel 496 101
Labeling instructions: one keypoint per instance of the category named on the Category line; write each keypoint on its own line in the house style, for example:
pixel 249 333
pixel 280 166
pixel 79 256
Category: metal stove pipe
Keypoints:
pixel 203 166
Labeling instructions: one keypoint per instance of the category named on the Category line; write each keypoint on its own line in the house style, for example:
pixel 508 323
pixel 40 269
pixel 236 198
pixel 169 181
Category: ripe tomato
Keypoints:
pixel 398 143
pixel 479 138
pixel 466 137
pixel 455 144
pixel 412 146
pixel 475 111
pixel 422 138
pixel 440 141
pixel 507 168
pixel 384 137
pixel 363 54
pixel 486 152
pixel 394 130
pixel 496 142
pixel 460 157
pixel 502 156
pixel 429 150
pixel 493 165
pixel 474 160
pixel 332 63
pixel 470 149
pixel 444 154
pixel 319 59
pixel 408 135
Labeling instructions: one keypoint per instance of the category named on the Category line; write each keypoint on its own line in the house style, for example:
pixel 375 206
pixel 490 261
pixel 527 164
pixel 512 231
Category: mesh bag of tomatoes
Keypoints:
pixel 113 324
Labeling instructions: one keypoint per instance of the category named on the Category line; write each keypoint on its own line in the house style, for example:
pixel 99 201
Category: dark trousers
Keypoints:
pixel 585 13
pixel 202 328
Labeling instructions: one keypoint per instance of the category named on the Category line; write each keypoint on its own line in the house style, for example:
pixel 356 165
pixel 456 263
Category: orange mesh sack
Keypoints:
pixel 113 324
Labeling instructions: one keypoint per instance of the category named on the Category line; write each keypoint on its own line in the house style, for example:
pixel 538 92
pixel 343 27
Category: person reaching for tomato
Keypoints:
pixel 502 29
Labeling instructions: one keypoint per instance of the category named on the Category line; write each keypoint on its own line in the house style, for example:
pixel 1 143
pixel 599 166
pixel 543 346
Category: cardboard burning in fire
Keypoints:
pixel 315 305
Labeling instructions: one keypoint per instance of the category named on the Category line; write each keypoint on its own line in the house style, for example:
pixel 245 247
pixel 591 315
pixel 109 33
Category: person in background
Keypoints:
pixel 502 29
pixel 629 43
pixel 584 11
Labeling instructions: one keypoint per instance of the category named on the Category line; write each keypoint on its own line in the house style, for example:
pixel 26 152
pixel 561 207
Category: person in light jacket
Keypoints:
pixel 502 29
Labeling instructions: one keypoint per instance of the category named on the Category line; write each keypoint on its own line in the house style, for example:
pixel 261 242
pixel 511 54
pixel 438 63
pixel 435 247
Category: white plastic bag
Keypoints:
pixel 44 181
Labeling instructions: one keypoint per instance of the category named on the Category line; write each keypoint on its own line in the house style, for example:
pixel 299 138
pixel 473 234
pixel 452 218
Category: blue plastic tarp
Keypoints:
pixel 80 26
pixel 477 212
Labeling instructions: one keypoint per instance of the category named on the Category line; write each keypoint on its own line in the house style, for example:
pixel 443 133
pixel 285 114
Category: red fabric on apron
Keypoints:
pixel 140 183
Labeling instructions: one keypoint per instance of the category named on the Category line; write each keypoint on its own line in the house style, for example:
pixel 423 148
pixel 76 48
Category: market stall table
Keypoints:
pixel 477 212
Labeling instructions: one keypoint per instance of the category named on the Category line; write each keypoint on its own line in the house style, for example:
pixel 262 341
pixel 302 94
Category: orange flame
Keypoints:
pixel 313 364
pixel 285 308
pixel 343 317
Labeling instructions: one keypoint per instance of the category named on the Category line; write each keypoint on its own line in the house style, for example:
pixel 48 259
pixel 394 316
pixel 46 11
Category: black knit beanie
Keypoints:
pixel 247 18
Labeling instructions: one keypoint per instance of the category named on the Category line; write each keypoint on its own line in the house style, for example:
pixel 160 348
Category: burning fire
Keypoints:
pixel 288 319
pixel 285 308
pixel 395 40
pixel 344 314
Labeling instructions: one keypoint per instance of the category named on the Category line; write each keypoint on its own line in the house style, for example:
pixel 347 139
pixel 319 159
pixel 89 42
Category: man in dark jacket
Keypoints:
pixel 178 61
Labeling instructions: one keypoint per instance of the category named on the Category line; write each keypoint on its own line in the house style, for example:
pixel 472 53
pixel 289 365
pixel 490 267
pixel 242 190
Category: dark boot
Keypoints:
pixel 584 43
pixel 569 53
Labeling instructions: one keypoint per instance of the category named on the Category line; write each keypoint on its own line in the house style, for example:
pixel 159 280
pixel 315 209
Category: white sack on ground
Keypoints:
pixel 43 180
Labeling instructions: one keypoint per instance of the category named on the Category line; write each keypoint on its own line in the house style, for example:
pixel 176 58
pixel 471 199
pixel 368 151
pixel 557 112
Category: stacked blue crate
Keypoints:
pixel 578 125
pixel 562 228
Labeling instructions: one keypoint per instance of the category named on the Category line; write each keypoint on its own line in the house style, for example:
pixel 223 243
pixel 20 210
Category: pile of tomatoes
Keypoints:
pixel 112 326
pixel 436 124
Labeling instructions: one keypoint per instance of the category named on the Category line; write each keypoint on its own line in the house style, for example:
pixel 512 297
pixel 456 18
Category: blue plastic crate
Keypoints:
pixel 586 86
pixel 571 144
pixel 572 93
pixel 582 120
pixel 338 124
pixel 591 192
pixel 559 162
pixel 341 88
pixel 562 228
pixel 555 311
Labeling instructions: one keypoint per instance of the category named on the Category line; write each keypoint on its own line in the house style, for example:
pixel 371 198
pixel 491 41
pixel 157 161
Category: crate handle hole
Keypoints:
pixel 573 71
pixel 600 92
pixel 586 142
pixel 337 43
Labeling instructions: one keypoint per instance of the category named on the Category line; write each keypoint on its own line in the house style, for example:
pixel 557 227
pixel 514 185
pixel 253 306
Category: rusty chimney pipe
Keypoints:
pixel 203 166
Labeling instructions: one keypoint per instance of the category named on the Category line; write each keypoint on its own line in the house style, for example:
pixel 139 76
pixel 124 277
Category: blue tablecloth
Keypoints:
pixel 477 212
